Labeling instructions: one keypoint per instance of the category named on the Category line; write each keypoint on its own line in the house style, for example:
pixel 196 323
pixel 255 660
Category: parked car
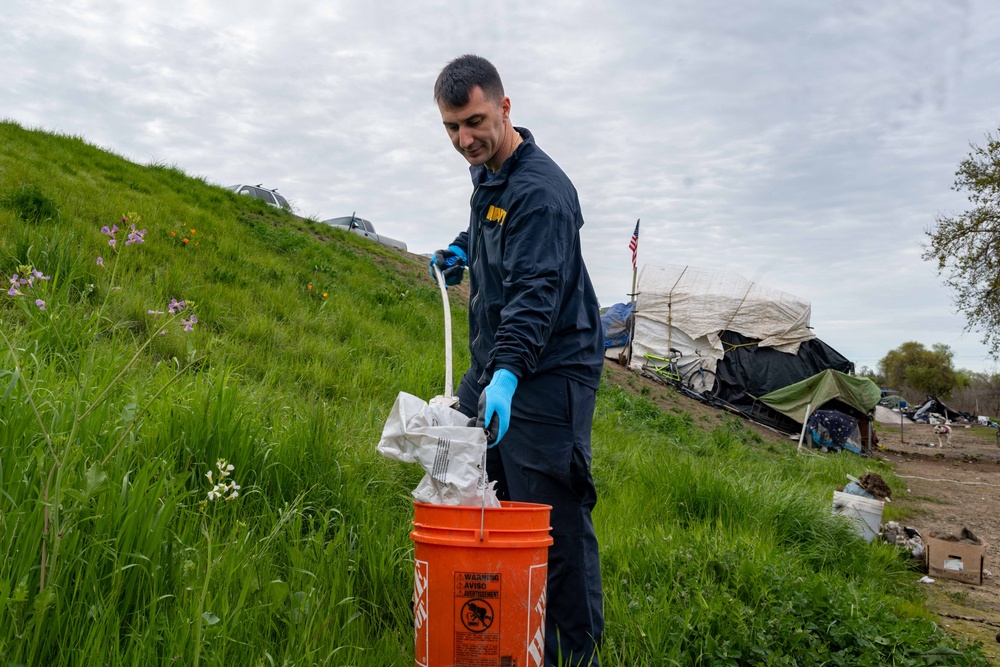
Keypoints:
pixel 258 192
pixel 364 228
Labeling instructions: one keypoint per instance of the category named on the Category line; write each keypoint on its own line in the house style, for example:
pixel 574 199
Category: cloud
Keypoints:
pixel 804 145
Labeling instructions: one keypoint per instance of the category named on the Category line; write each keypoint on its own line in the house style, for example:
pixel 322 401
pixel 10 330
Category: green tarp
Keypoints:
pixel 858 392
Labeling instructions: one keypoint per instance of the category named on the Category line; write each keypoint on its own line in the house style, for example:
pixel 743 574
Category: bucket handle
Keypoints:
pixel 482 510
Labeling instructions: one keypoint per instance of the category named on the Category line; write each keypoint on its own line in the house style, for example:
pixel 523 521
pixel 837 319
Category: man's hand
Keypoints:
pixel 451 262
pixel 494 405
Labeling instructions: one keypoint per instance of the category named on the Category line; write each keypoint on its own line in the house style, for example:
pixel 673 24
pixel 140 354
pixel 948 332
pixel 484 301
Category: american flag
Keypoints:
pixel 633 244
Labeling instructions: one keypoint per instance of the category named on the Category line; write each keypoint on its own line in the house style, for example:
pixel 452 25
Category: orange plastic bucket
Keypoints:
pixel 479 585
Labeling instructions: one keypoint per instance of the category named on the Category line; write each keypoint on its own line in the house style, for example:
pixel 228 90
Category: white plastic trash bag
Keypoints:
pixel 450 452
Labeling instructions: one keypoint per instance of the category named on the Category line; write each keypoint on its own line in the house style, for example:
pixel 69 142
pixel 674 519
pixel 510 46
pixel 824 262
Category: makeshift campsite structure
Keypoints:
pixel 892 401
pixel 616 322
pixel 749 371
pixel 932 406
pixel 886 415
pixel 755 338
pixel 828 391
pixel 687 308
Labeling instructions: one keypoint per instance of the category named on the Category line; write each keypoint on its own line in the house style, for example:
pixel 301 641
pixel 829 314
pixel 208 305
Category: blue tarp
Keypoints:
pixel 616 322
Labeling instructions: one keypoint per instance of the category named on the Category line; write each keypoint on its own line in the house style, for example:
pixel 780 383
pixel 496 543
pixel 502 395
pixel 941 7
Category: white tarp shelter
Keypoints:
pixel 687 308
pixel 885 415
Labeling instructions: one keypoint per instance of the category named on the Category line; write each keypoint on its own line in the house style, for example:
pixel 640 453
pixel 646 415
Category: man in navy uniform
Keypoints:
pixel 535 339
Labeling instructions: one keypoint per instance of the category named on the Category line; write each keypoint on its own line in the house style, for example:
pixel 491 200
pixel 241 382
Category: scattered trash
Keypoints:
pixel 925 580
pixel 905 537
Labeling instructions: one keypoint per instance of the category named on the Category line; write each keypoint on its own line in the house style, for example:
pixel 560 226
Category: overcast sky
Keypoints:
pixel 807 146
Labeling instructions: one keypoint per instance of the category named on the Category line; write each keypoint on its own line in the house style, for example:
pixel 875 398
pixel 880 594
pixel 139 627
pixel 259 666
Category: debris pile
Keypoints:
pixel 904 537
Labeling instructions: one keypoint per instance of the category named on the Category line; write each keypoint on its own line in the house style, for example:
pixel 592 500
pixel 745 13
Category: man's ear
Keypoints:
pixel 505 107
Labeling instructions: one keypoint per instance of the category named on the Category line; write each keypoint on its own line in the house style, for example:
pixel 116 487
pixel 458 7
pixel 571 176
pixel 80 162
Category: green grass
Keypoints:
pixel 716 548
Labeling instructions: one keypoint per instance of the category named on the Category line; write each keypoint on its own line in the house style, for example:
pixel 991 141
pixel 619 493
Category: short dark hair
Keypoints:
pixel 461 75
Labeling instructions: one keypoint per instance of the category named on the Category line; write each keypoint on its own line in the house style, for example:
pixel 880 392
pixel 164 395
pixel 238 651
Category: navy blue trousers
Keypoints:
pixel 545 458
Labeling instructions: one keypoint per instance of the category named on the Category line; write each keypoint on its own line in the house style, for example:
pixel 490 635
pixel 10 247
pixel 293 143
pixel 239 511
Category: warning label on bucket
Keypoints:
pixel 477 619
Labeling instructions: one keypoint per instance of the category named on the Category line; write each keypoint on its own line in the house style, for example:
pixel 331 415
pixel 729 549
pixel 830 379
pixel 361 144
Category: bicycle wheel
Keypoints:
pixel 703 382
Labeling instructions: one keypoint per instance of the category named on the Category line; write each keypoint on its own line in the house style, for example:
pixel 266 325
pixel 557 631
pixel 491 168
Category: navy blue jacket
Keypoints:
pixel 532 306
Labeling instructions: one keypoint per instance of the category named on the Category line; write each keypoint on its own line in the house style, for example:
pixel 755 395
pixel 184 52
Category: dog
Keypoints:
pixel 943 431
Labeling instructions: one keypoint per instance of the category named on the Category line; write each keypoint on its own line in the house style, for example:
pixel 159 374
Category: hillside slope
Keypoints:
pixel 126 539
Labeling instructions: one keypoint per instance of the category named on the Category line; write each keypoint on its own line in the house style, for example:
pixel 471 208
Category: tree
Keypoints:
pixel 916 371
pixel 981 395
pixel 966 247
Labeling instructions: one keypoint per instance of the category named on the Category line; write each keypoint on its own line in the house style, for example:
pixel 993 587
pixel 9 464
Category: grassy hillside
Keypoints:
pixel 716 549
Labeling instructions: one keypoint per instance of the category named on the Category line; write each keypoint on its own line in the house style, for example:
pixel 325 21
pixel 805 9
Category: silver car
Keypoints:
pixel 362 227
pixel 257 192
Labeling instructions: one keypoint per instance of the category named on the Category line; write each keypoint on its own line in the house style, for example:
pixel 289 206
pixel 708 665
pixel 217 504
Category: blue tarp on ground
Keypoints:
pixel 616 322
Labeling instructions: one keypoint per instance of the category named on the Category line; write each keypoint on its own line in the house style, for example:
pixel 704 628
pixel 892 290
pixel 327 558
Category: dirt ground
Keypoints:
pixel 950 488
pixel 947 489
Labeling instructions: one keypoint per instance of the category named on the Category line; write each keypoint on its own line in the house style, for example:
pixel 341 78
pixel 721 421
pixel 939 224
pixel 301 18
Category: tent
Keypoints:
pixel 859 393
pixel 829 390
pixel 749 371
pixel 933 406
pixel 893 401
pixel 755 338
pixel 886 415
pixel 687 308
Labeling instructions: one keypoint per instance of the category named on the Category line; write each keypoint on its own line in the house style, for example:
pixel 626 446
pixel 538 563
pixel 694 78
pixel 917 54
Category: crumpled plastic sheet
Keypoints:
pixel 451 453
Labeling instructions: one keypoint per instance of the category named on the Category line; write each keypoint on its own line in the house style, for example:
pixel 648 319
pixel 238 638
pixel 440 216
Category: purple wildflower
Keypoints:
pixel 13 291
pixel 110 232
pixel 175 306
pixel 154 313
pixel 189 324
pixel 40 304
pixel 38 274
pixel 100 262
pixel 135 236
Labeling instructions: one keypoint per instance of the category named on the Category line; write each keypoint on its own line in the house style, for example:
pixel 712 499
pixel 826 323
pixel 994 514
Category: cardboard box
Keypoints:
pixel 960 561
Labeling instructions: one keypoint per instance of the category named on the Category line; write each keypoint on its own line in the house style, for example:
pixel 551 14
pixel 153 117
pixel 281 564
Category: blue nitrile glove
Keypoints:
pixel 452 264
pixel 496 406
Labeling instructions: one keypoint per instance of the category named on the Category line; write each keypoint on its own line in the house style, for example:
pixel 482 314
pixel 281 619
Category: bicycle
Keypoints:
pixel 692 375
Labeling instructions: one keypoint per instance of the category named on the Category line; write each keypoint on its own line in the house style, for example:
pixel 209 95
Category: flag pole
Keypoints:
pixel 635 272
pixel 634 246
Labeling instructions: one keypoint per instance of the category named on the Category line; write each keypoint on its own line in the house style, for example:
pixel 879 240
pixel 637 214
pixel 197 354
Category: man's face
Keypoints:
pixel 477 130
